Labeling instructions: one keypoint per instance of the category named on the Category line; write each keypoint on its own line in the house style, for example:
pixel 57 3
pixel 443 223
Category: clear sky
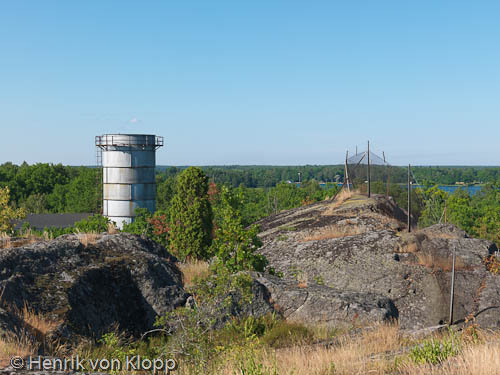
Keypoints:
pixel 252 82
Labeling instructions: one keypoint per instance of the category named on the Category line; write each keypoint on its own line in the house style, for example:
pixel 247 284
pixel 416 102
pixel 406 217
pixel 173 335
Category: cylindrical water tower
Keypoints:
pixel 128 174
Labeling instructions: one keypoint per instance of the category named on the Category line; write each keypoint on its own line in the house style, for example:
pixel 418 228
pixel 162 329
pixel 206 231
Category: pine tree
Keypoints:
pixel 191 216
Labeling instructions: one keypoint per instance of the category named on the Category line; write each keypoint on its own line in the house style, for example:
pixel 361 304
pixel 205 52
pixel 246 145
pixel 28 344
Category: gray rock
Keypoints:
pixel 321 304
pixel 358 252
pixel 121 280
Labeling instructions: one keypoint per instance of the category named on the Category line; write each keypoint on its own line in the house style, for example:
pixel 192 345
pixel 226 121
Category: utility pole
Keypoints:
pixel 369 182
pixel 346 173
pixel 452 288
pixel 409 200
pixel 299 178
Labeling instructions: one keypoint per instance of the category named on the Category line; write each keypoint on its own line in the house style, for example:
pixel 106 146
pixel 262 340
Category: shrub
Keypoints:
pixel 435 351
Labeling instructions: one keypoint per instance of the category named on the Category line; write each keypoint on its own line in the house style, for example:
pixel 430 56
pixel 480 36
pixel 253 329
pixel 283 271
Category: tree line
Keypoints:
pixel 41 188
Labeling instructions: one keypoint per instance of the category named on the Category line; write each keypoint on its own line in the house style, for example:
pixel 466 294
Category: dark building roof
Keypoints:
pixel 40 221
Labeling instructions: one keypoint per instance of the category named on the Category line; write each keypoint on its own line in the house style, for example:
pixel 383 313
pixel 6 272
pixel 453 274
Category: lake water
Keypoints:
pixel 472 189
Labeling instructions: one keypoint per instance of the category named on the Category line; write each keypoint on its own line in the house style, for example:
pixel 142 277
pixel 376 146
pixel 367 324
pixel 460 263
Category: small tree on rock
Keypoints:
pixel 191 216
pixel 234 245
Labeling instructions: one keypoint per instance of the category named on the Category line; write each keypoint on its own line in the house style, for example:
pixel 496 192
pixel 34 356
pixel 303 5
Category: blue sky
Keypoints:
pixel 252 82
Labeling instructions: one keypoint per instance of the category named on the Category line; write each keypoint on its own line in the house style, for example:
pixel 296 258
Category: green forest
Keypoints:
pixel 258 191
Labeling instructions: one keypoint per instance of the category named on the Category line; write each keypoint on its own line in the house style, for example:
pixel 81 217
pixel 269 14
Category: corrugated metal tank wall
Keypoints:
pixel 128 162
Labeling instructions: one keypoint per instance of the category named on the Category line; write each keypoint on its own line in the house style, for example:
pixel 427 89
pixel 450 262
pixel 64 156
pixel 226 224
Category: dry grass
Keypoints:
pixel 37 328
pixel 383 220
pixel 48 236
pixel 350 356
pixel 193 269
pixel 373 352
pixel 411 247
pixel 333 232
pixel 5 242
pixel 438 262
pixel 12 345
pixel 89 238
pixel 302 279
pixel 339 199
pixel 28 237
pixel 37 321
pixel 112 229
pixel 481 359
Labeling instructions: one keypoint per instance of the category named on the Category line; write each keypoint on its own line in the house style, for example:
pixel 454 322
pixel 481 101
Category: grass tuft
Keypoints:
pixel 333 232
pixel 192 270
pixel 88 238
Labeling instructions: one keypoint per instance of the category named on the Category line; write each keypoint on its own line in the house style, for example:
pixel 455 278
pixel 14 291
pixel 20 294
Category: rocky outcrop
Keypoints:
pixel 321 304
pixel 357 255
pixel 119 279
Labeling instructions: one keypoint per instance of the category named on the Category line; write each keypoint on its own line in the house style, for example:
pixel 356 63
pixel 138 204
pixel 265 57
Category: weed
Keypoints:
pixel 193 270
pixel 492 264
pixel 112 229
pixel 249 365
pixel 333 232
pixel 435 351
pixel 319 280
pixel 88 238
pixel 287 228
pixel 285 334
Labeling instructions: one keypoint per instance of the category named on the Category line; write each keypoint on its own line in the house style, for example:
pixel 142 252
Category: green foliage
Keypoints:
pixel 249 365
pixel 285 333
pixel 191 216
pixel 83 192
pixel 434 206
pixel 36 204
pixel 435 351
pixel 116 349
pixel 234 245
pixel 221 283
pixel 154 226
pixel 192 341
pixel 478 215
pixel 400 196
pixel 492 264
pixel 319 280
pixel 141 225
pixel 94 223
pixel 165 191
pixel 451 175
pixel 7 213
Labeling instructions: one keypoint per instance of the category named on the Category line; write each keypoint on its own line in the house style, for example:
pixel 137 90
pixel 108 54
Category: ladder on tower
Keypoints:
pixel 99 180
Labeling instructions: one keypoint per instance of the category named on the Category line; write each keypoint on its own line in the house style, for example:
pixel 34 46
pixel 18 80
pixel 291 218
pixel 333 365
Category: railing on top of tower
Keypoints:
pixel 117 140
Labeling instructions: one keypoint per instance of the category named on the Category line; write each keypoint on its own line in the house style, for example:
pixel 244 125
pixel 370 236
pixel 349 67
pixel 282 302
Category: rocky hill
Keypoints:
pixel 342 263
pixel 353 261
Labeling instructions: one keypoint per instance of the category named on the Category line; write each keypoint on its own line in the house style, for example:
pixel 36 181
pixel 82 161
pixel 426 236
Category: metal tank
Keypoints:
pixel 128 174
